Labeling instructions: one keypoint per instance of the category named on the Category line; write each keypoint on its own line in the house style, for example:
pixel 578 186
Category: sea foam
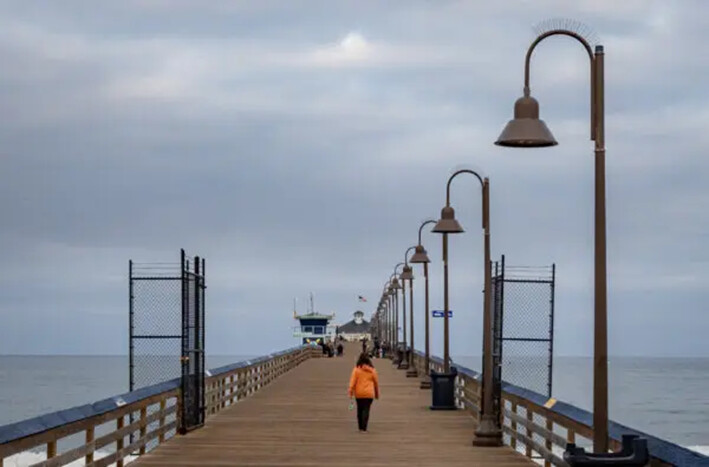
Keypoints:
pixel 25 459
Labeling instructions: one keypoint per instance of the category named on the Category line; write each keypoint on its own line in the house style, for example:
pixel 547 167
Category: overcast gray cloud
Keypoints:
pixel 298 145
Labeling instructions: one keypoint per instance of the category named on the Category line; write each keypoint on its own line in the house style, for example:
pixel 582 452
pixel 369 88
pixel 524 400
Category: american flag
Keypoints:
pixel 361 298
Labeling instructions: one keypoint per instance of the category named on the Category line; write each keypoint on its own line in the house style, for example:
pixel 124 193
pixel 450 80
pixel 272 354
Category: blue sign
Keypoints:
pixel 440 313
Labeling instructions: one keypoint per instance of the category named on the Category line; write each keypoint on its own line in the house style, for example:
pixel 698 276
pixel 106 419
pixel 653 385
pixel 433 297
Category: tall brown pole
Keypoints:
pixel 446 364
pixel 488 432
pixel 395 299
pixel 426 383
pixel 600 340
pixel 390 341
pixel 412 373
pixel 404 363
pixel 600 308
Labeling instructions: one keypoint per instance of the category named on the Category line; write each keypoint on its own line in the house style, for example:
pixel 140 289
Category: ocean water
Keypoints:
pixel 35 385
pixel 666 397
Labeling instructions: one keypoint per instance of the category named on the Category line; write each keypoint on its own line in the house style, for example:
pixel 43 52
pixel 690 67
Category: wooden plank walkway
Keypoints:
pixel 302 419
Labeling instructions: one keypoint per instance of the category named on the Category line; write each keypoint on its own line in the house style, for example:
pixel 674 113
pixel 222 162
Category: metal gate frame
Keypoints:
pixel 187 278
pixel 193 391
pixel 534 277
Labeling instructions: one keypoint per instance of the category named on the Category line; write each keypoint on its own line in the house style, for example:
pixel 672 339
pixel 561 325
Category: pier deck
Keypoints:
pixel 303 419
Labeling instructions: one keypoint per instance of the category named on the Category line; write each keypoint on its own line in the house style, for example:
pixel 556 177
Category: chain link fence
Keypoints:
pixel 523 304
pixel 166 331
pixel 155 323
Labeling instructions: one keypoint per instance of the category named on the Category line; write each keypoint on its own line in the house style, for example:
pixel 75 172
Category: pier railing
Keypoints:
pixel 102 434
pixel 539 427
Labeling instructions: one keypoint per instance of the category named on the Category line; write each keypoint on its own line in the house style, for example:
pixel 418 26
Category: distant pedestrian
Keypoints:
pixel 340 349
pixel 364 387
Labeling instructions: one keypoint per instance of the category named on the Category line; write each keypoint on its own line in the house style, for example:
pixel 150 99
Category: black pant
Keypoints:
pixel 363 406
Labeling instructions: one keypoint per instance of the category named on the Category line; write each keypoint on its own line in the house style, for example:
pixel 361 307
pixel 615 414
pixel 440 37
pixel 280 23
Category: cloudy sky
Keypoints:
pixel 298 145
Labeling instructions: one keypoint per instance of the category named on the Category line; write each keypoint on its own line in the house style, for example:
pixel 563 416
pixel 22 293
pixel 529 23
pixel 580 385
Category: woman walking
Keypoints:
pixel 364 387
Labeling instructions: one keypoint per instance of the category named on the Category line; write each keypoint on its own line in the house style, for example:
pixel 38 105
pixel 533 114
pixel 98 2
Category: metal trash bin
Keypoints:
pixel 443 390
pixel 634 453
pixel 397 356
pixel 404 360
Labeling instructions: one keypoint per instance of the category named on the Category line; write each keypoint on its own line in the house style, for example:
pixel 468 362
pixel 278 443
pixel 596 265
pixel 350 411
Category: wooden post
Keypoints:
pixel 570 436
pixel 231 390
pixel 89 458
pixel 143 427
pixel 180 427
pixel 513 425
pixel 530 417
pixel 213 397
pixel 51 449
pixel 161 438
pixel 550 427
pixel 119 442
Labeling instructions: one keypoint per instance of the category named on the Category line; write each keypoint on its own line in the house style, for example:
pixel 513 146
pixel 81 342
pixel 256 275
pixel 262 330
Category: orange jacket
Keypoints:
pixel 364 383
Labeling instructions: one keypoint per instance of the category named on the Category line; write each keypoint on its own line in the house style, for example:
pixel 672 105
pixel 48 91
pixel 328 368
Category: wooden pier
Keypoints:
pixel 291 408
pixel 303 419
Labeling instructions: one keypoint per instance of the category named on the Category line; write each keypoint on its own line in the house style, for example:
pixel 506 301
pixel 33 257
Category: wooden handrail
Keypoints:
pixel 531 422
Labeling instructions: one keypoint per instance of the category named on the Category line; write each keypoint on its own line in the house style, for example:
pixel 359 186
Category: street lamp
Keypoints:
pixel 420 256
pixel 488 432
pixel 395 287
pixel 394 320
pixel 527 130
pixel 404 362
pixel 407 274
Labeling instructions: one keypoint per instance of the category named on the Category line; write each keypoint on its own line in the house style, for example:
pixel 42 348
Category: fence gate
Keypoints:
pixel 166 330
pixel 523 326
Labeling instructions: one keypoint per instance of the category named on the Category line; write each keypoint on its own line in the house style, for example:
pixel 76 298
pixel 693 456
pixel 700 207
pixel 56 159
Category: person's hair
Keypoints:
pixel 364 360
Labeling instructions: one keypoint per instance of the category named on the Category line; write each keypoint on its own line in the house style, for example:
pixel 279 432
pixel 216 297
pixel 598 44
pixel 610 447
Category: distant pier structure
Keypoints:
pixel 356 329
pixel 314 328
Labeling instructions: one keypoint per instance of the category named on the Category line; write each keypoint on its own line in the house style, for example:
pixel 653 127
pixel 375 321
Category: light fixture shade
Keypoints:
pixel 395 284
pixel 407 274
pixel 448 223
pixel 420 255
pixel 526 130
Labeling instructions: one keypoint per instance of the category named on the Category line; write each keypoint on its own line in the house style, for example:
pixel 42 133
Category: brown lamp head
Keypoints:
pixel 406 274
pixel 395 284
pixel 525 130
pixel 420 255
pixel 447 222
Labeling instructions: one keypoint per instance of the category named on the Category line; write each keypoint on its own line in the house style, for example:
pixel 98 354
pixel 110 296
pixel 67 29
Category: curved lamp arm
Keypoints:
pixel 587 46
pixel 429 221
pixel 395 268
pixel 484 184
pixel 406 255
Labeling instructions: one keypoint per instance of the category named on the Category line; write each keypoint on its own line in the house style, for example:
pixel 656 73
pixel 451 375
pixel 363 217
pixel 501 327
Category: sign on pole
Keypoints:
pixel 441 313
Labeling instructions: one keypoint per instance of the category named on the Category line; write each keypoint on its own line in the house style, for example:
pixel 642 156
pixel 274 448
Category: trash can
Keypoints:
pixel 633 453
pixel 397 356
pixel 404 360
pixel 443 390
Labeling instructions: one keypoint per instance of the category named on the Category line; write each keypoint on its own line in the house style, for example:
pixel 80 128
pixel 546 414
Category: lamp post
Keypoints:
pixel 395 293
pixel 394 320
pixel 394 323
pixel 403 361
pixel 527 130
pixel 408 274
pixel 420 256
pixel 488 432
